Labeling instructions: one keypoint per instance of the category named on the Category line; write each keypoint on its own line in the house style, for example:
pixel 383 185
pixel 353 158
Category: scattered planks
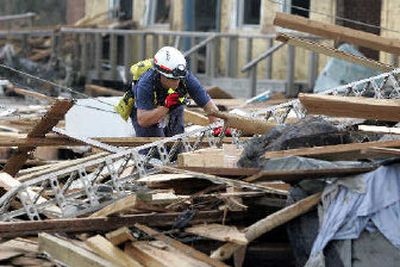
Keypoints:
pixel 268 223
pixel 52 117
pixel 332 52
pixel 352 107
pixel 337 33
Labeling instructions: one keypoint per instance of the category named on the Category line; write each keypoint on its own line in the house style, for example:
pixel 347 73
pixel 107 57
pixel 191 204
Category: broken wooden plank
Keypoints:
pixel 119 236
pixel 120 205
pixel 52 117
pixel 219 232
pixel 268 223
pixel 208 157
pixel 78 225
pixel 332 52
pixel 107 250
pixel 70 254
pixel 247 125
pixel 298 175
pixel 180 246
pixel 348 151
pixel 195 118
pixel 378 129
pixel 381 151
pixel 352 107
pixel 337 33
pixel 159 254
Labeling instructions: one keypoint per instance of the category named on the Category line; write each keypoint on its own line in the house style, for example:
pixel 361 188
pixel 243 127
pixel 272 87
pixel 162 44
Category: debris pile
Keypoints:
pixel 196 199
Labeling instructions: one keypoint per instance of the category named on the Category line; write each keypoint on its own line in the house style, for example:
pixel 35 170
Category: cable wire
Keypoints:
pixel 53 84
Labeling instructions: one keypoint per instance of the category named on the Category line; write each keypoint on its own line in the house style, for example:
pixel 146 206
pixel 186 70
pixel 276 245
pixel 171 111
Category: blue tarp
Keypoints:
pixel 368 202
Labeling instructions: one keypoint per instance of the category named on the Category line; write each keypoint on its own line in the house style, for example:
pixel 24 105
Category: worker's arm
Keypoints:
pixel 209 108
pixel 147 118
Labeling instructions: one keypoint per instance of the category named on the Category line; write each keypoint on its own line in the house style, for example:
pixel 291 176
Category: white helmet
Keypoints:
pixel 170 62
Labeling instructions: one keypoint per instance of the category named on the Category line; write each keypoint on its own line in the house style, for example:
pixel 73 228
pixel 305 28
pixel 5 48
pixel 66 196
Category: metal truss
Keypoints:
pixel 87 187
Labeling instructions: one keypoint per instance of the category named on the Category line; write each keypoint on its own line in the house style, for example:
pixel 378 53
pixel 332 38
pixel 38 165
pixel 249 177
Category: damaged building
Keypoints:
pixel 297 164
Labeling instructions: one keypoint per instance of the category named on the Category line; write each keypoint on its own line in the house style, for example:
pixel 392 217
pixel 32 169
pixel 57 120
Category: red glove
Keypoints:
pixel 171 100
pixel 217 131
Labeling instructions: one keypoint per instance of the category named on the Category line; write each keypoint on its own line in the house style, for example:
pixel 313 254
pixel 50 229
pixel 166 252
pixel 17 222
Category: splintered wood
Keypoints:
pixel 52 117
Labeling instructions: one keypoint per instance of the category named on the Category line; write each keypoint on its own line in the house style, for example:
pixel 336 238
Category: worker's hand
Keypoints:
pixel 218 131
pixel 172 100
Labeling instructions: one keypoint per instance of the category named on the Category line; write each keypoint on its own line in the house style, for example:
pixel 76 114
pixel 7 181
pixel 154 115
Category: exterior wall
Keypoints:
pixel 323 7
pixel 94 7
pixel 390 14
pixel 75 11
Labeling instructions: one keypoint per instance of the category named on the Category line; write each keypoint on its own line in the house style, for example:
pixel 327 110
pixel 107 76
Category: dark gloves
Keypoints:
pixel 217 131
pixel 172 100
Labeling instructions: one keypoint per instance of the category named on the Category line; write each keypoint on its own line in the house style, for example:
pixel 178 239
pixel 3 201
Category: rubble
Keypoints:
pixel 196 199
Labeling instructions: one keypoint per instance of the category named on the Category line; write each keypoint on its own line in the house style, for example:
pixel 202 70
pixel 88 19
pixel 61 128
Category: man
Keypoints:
pixel 160 94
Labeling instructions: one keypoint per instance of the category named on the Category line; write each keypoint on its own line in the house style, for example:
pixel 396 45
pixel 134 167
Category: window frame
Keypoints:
pixel 239 8
pixel 150 14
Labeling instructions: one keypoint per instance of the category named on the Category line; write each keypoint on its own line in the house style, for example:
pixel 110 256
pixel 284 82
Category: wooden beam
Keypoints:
pixel 119 236
pixel 382 151
pixel 332 52
pixel 63 141
pixel 180 246
pixel 247 125
pixel 48 121
pixel 268 223
pixel 107 250
pixel 332 151
pixel 352 107
pixel 298 175
pixel 69 253
pixel 79 225
pixel 338 33
pixel 195 118
pixel 219 232
pixel 224 172
pixel 159 254
pixel 378 129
